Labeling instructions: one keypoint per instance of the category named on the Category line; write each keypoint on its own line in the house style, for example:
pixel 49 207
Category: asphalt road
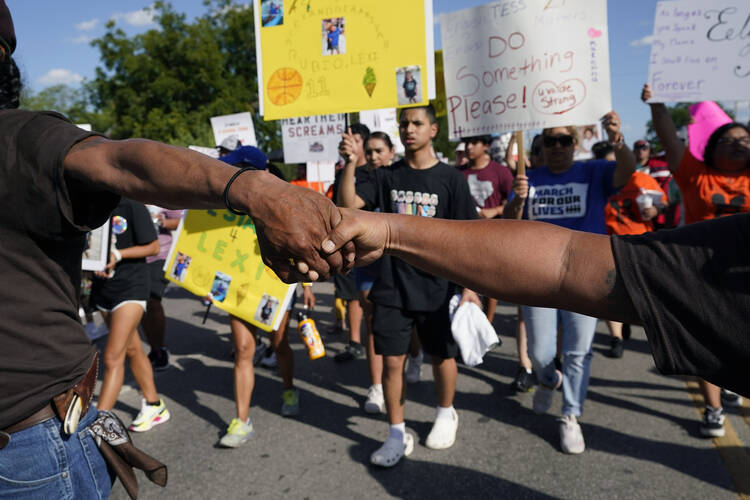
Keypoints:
pixel 641 428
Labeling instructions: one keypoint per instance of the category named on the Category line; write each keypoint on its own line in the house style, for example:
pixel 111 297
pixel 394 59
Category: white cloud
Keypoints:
pixel 87 25
pixel 82 39
pixel 137 18
pixel 646 40
pixel 60 75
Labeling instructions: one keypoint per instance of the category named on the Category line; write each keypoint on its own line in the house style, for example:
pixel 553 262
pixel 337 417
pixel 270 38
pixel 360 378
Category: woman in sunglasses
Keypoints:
pixel 715 185
pixel 573 195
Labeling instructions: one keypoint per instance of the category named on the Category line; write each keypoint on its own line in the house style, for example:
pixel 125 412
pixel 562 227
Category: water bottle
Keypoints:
pixel 310 336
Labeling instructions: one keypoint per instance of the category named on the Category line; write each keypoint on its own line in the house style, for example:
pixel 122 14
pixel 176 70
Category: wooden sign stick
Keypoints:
pixel 521 162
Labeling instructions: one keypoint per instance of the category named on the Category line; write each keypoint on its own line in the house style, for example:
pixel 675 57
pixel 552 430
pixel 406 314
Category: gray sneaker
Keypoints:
pixel 290 405
pixel 237 433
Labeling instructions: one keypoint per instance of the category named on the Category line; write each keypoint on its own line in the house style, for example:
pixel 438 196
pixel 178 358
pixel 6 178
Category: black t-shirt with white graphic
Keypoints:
pixel 439 191
pixel 691 288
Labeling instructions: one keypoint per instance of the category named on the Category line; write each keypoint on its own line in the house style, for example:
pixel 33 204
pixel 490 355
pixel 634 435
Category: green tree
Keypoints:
pixel 680 114
pixel 165 84
pixel 72 102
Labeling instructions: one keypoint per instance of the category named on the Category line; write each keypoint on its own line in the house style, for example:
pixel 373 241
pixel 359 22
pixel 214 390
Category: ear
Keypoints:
pixel 433 130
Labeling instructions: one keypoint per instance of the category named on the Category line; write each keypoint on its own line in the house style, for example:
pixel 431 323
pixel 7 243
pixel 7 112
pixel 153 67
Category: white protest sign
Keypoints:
pixel 312 138
pixel 321 171
pixel 238 124
pixel 700 51
pixel 212 152
pixel 383 120
pixel 521 65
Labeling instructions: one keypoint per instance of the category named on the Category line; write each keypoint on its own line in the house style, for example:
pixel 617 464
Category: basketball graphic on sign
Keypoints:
pixel 284 86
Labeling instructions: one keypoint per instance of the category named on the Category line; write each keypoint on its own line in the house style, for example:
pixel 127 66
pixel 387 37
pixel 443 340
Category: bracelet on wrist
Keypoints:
pixel 229 184
pixel 117 254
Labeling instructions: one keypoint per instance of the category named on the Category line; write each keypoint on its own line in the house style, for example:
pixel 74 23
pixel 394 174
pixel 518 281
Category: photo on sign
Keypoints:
pixel 588 135
pixel 266 309
pixel 96 252
pixel 220 286
pixel 409 85
pixel 272 13
pixel 180 267
pixel 334 41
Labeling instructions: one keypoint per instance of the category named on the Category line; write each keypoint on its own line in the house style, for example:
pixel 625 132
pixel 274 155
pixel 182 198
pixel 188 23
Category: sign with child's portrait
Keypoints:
pixel 344 56
pixel 216 255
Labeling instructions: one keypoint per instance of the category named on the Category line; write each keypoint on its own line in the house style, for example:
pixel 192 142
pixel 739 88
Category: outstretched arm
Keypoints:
pixel 665 131
pixel 524 262
pixel 290 221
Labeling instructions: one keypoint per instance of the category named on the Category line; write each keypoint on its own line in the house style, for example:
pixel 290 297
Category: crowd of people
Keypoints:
pixel 687 286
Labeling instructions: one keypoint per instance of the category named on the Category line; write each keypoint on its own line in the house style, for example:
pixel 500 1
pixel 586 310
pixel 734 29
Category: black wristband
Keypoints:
pixel 229 184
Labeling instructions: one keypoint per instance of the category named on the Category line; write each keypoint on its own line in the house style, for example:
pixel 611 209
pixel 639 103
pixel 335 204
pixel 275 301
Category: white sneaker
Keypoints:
pixel 149 416
pixel 375 401
pixel 443 433
pixel 571 437
pixel 392 451
pixel 269 361
pixel 414 368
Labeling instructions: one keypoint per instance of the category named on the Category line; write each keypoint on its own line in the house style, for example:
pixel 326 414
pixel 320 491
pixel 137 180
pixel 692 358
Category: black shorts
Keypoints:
pixel 346 287
pixel 157 282
pixel 392 329
pixel 129 284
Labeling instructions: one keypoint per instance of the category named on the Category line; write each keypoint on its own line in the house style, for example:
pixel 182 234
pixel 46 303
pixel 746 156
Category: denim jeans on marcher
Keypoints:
pixel 577 336
pixel 41 463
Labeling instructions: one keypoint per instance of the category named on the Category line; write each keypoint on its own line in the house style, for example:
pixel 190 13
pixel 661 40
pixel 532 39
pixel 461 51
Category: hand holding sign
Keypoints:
pixel 611 124
pixel 349 147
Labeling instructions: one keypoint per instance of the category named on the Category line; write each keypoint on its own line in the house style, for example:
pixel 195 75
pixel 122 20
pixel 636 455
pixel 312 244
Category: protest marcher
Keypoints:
pixel 573 195
pixel 65 182
pixel 489 184
pixel 379 153
pixel 524 380
pixel 403 297
pixel 715 186
pixel 245 340
pixel 154 322
pixel 120 292
pixel 345 287
pixel 656 167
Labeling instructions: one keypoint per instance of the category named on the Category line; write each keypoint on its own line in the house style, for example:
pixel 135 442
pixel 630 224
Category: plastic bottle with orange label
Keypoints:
pixel 310 336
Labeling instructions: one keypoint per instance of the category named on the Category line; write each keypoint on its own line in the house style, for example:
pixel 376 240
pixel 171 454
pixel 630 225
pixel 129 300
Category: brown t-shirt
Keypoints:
pixel 43 221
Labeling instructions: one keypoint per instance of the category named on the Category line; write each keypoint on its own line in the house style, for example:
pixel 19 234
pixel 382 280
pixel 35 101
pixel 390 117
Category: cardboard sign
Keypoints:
pixel 518 65
pixel 312 138
pixel 384 120
pixel 238 124
pixel 341 56
pixel 700 51
pixel 216 252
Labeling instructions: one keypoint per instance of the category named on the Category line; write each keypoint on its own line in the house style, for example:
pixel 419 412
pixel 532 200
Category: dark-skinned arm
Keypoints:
pixel 524 262
pixel 665 131
pixel 290 221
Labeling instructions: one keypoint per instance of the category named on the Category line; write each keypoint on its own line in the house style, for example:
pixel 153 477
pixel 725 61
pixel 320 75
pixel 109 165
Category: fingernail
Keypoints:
pixel 328 246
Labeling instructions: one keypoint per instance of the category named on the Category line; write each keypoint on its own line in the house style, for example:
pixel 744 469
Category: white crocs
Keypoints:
pixel 392 451
pixel 443 433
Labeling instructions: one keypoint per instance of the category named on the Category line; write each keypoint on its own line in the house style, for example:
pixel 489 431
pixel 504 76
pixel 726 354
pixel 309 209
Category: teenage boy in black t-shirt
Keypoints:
pixel 405 297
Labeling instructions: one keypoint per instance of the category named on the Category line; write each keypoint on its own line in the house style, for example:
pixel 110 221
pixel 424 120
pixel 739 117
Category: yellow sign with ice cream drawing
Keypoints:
pixel 216 255
pixel 340 56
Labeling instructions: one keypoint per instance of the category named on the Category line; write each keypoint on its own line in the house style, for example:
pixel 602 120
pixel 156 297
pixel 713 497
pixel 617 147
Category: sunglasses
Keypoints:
pixel 563 140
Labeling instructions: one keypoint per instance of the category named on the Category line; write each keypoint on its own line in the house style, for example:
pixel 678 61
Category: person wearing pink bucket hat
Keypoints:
pixel 713 174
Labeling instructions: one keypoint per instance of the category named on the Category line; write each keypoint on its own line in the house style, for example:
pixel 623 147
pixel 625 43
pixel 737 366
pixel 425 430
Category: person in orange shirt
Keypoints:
pixel 718 185
pixel 318 186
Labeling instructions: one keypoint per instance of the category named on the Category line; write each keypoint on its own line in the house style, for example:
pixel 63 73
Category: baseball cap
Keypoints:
pixel 641 143
pixel 461 147
pixel 246 156
pixel 7 33
pixel 230 143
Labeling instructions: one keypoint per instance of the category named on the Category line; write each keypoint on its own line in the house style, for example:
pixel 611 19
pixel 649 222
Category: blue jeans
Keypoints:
pixel 41 463
pixel 577 336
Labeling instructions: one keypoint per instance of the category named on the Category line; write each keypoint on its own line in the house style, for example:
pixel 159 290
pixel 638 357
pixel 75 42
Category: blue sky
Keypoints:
pixel 54 41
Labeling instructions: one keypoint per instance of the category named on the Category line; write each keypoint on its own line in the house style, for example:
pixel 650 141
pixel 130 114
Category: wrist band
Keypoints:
pixel 229 184
pixel 117 254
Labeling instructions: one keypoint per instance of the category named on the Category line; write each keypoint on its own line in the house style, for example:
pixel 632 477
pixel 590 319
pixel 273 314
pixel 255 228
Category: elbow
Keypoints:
pixel 154 249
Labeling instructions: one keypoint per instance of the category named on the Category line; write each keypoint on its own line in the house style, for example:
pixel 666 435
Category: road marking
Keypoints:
pixel 731 449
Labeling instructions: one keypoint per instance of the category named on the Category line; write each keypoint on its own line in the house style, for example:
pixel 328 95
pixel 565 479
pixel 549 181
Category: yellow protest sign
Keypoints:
pixel 216 252
pixel 339 56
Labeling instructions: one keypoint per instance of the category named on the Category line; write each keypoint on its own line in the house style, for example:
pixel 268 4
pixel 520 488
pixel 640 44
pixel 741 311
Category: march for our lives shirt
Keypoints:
pixel 574 199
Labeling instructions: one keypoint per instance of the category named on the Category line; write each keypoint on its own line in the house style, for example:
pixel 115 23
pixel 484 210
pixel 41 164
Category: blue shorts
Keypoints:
pixel 363 278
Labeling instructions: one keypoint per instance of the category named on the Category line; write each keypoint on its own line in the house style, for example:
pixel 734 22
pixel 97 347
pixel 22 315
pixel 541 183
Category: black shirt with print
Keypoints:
pixel 439 191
